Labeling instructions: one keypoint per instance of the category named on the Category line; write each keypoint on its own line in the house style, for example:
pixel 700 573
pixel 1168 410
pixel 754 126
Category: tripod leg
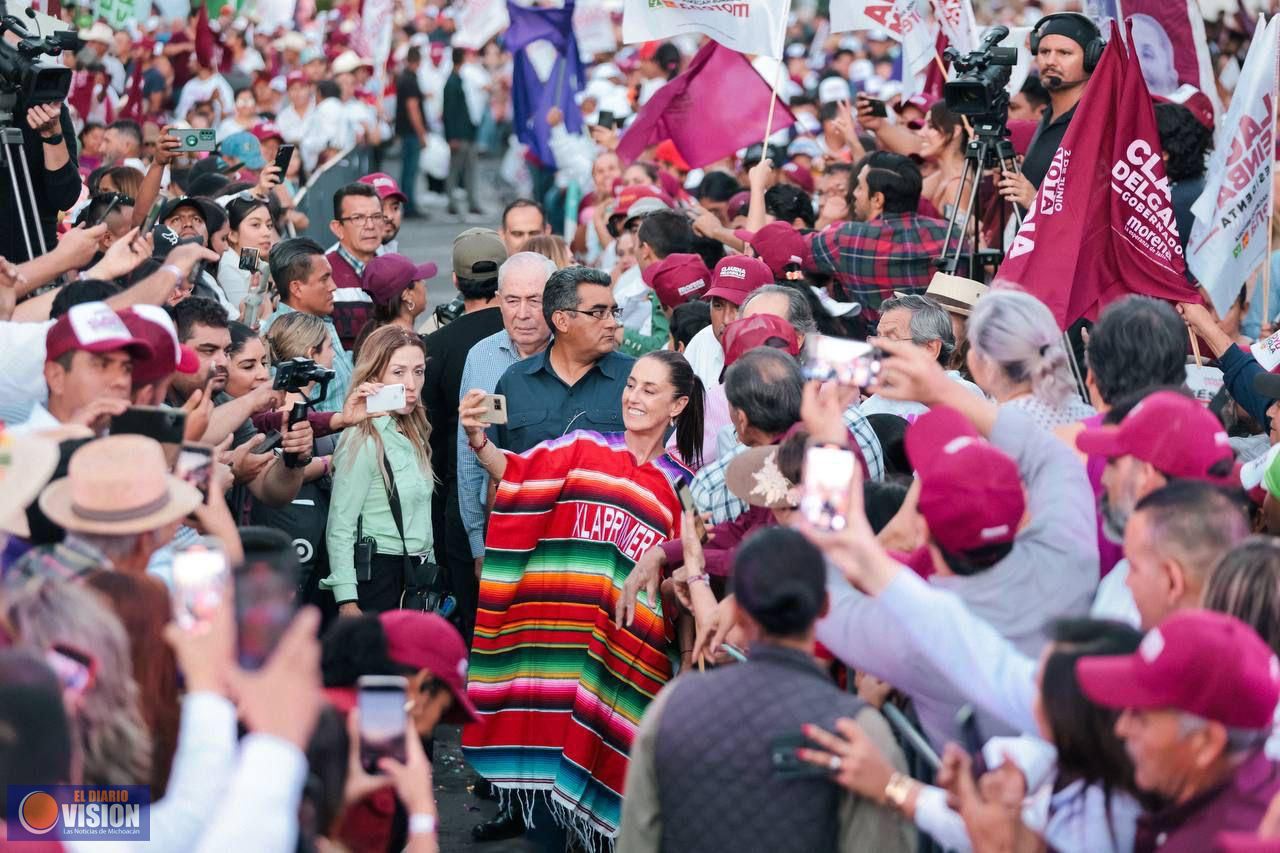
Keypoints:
pixel 31 197
pixel 15 154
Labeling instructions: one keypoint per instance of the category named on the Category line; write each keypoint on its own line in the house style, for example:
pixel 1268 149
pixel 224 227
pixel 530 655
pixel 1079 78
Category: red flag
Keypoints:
pixel 1102 224
pixel 206 41
pixel 693 112
pixel 133 108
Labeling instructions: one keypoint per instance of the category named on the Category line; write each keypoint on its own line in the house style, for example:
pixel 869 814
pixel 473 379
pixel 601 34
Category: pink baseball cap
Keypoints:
pixel 153 324
pixel 1202 662
pixel 297 78
pixel 677 278
pixel 1176 435
pixel 800 176
pixel 92 327
pixel 389 275
pixel 971 493
pixel 777 244
pixel 736 276
pixel 386 187
pixel 758 330
pixel 427 641
pixel 265 130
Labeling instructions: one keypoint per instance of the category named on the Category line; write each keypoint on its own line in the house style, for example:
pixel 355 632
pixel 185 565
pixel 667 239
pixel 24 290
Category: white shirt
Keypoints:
pixel 1113 600
pixel 196 90
pixel 292 124
pixel 705 356
pixel 877 405
pixel 22 361
pixel 632 296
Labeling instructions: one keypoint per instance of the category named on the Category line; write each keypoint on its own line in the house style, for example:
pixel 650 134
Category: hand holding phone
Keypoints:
pixel 163 423
pixel 249 259
pixel 872 107
pixel 195 466
pixel 201 576
pixel 825 499
pixel 388 398
pixel 283 157
pixel 850 363
pixel 495 409
pixel 196 139
pixel 381 700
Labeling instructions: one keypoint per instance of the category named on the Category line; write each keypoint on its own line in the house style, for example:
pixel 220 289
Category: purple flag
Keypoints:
pixel 693 112
pixel 532 97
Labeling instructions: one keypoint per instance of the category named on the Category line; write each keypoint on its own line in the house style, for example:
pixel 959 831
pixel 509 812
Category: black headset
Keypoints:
pixel 1092 50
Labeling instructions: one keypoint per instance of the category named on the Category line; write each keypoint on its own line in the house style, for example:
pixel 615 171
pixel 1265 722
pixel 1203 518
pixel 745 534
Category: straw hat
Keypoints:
pixel 26 463
pixel 118 485
pixel 754 477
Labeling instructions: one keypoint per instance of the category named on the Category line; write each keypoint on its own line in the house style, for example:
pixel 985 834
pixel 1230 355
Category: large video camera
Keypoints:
pixel 21 72
pixel 291 377
pixel 979 87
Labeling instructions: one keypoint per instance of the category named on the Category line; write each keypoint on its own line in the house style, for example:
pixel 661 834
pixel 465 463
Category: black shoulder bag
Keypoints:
pixel 423 585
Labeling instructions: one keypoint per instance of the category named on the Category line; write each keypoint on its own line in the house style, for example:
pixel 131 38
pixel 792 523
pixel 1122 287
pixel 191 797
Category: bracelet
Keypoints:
pixel 702 578
pixel 56 139
pixel 898 789
pixel 324 460
pixel 421 823
pixel 482 446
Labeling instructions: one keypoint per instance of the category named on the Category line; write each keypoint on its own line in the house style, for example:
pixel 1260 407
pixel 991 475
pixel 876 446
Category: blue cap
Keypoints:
pixel 243 146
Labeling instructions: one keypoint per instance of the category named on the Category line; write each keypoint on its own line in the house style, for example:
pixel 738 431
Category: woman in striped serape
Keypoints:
pixel 560 689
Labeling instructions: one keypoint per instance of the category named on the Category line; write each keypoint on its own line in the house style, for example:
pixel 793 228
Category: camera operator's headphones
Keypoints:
pixel 1092 51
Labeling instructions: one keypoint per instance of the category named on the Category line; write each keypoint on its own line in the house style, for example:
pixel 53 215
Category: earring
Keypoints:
pixel 409 306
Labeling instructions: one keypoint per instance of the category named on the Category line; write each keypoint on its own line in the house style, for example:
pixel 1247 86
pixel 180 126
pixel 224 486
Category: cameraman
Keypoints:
pixel 55 178
pixel 1060 58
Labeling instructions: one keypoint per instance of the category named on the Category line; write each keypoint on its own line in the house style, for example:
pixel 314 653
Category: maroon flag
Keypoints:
pixel 134 108
pixel 695 114
pixel 1102 223
pixel 206 41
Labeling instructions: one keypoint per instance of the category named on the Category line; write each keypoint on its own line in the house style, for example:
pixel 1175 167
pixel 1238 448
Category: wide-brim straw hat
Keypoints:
pixel 26 464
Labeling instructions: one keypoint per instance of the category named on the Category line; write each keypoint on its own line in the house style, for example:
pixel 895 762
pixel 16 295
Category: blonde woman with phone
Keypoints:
pixel 380 506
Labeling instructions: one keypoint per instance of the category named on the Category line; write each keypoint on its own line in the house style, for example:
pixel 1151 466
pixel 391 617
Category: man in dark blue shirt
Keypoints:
pixel 577 382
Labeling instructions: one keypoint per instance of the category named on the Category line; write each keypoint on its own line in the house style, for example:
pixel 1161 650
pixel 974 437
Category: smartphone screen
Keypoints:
pixel 827 472
pixel 849 362
pixel 382 718
pixel 194 466
pixel 200 575
pixel 266 598
pixel 249 259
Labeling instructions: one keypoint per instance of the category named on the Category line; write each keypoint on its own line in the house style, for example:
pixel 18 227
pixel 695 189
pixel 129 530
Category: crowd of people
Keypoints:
pixel 712 513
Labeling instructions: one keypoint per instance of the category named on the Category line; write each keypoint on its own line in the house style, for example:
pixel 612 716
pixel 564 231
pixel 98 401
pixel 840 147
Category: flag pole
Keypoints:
pixel 777 81
pixel 1195 346
pixel 1271 223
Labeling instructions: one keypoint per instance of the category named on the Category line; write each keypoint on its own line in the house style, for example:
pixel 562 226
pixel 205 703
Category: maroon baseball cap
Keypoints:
pixel 736 276
pixel 800 176
pixel 677 278
pixel 738 204
pixel 428 641
pixel 757 331
pixel 971 494
pixel 1194 100
pixel 92 327
pixel 628 198
pixel 152 324
pixel 265 130
pixel 297 78
pixel 386 187
pixel 1202 662
pixel 777 244
pixel 389 275
pixel 1176 435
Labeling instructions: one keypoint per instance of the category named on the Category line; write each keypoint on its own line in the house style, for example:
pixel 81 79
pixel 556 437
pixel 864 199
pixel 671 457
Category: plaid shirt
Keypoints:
pixel 874 259
pixel 711 493
pixel 69 560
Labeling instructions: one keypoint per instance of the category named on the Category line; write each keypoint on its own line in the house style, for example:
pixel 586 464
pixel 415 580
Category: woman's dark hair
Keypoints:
pixel 779 578
pixel 240 335
pixel 787 203
pixel 1082 731
pixel 1184 139
pixel 95 178
pixel 689 319
pixel 667 57
pixel 381 315
pixel 946 122
pixel 1246 584
pixel 892 432
pixel 882 501
pixel 353 647
pixel 327 759
pixel 688 422
pixel 35 734
pixel 718 186
pixel 709 249
pixel 239 208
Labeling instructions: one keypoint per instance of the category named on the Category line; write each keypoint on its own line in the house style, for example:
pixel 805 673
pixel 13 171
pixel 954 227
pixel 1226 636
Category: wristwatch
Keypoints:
pixel 898 789
pixel 56 139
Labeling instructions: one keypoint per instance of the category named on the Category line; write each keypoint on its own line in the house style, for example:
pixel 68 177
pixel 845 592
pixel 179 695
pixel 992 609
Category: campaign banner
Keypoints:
pixel 747 26
pixel 593 25
pixel 1229 236
pixel 904 24
pixel 1169 40
pixel 118 13
pixel 479 21
pixel 955 18
pixel 376 23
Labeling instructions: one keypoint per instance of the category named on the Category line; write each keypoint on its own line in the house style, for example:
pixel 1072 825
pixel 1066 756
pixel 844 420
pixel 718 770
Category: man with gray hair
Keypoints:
pixel 921 320
pixel 524 333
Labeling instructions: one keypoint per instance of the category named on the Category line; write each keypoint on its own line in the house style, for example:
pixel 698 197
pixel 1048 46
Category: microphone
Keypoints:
pixel 1057 84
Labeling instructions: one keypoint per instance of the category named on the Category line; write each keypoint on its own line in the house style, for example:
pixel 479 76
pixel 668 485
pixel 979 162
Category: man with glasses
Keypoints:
pixel 577 382
pixel 358 223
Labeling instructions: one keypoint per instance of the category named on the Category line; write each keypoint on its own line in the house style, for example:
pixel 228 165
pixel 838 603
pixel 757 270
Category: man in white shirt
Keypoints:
pixel 732 281
pixel 207 85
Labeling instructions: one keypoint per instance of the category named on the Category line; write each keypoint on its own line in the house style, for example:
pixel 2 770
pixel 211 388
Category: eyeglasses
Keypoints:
pixel 362 219
pixel 597 314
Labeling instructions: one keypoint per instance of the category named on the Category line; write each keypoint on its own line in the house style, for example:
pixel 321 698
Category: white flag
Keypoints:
pixel 747 26
pixel 955 17
pixel 1229 237
pixel 904 24
pixel 479 21
pixel 593 27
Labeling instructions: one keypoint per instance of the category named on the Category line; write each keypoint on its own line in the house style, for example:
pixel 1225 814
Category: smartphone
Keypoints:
pixel 788 765
pixel 200 577
pixel 194 466
pixel 166 425
pixel 265 601
pixel 381 700
pixel 152 216
pixel 283 156
pixel 495 409
pixel 196 139
pixel 606 119
pixel 686 498
pixel 269 442
pixel 249 259
pixel 825 497
pixel 389 398
pixel 849 362
pixel 873 107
